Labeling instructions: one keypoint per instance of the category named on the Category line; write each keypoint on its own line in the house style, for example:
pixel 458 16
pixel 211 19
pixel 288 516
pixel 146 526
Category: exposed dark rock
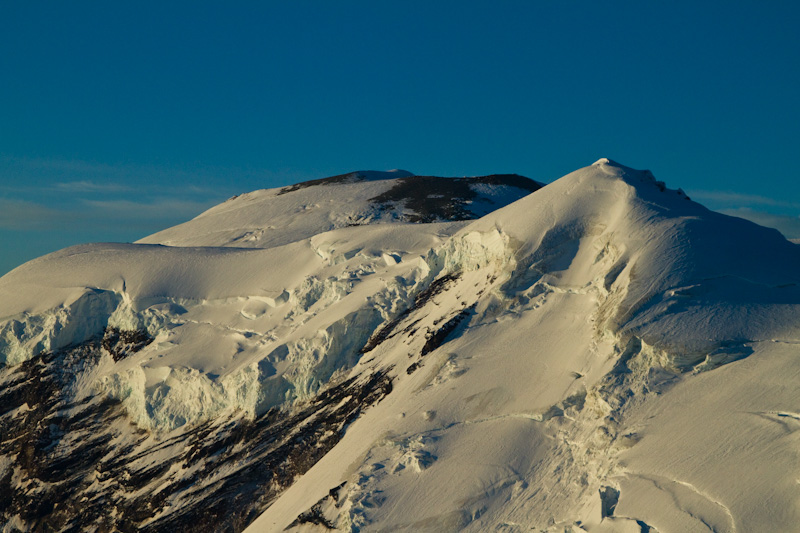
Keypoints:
pixel 122 343
pixel 312 516
pixel 609 496
pixel 334 492
pixel 429 198
pixel 387 330
pixel 433 199
pixel 438 337
pixel 315 514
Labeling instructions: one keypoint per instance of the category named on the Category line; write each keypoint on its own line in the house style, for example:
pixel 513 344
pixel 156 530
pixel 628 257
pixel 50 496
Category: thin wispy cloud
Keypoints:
pixel 73 198
pixel 163 209
pixel 28 174
pixel 67 167
pixel 763 210
pixel 86 186
pixel 22 215
pixel 729 198
pixel 788 225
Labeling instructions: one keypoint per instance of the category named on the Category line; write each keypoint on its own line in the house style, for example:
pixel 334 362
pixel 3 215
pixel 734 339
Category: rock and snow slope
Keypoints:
pixel 602 355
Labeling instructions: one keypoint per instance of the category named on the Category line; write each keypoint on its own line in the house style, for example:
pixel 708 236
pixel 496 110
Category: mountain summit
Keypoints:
pixel 273 217
pixel 376 352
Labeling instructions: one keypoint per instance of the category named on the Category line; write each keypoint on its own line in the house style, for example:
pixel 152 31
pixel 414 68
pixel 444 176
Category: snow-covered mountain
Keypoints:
pixel 387 352
pixel 269 218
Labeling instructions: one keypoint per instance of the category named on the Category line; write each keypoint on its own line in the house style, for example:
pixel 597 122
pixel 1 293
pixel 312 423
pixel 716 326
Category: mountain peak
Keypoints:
pixel 609 166
pixel 605 161
pixel 632 176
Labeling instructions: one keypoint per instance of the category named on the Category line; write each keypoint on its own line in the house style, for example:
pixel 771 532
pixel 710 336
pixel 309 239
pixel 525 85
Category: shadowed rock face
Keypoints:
pixel 77 464
pixel 432 199
pixel 435 199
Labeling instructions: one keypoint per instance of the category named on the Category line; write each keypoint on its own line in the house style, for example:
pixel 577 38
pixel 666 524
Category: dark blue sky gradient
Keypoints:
pixel 118 120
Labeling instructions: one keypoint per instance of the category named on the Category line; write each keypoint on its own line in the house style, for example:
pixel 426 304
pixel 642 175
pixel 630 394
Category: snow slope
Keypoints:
pixel 628 363
pixel 601 355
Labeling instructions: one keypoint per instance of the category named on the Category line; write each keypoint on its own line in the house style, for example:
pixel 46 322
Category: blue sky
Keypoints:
pixel 120 119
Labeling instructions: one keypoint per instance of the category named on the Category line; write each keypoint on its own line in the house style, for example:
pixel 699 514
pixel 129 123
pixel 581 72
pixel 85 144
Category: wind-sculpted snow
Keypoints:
pixel 544 366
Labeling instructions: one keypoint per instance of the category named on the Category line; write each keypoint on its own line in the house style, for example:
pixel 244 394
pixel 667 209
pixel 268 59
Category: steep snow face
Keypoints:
pixel 535 388
pixel 682 276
